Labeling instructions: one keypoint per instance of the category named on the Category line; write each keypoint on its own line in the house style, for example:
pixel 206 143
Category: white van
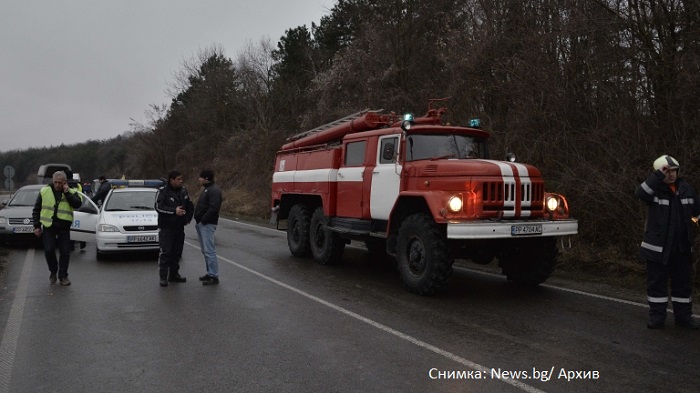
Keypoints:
pixel 45 173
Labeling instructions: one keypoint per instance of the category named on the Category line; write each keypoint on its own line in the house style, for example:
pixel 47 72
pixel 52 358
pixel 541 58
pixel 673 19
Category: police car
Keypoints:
pixel 126 221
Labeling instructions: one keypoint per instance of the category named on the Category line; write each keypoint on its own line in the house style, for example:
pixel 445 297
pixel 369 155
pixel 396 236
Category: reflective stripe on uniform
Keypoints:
pixel 657 299
pixel 652 247
pixel 664 202
pixel 687 201
pixel 647 189
pixel 680 299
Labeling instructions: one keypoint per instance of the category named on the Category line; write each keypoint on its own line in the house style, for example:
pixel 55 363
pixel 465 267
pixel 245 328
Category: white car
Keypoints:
pixel 126 221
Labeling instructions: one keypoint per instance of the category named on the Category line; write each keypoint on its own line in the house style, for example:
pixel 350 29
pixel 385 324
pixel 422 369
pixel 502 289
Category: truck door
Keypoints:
pixel 85 221
pixel 386 178
pixel 350 176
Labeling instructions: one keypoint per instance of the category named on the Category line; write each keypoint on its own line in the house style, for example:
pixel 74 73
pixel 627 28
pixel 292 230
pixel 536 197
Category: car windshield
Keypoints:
pixel 441 146
pixel 131 200
pixel 24 197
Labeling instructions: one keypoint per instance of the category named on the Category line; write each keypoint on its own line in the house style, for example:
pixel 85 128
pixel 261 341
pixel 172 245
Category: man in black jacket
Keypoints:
pixel 175 210
pixel 668 240
pixel 53 217
pixel 206 215
pixel 102 191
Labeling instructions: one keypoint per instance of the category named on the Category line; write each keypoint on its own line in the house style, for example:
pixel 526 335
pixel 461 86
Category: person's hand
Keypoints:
pixel 65 187
pixel 37 232
pixel 179 211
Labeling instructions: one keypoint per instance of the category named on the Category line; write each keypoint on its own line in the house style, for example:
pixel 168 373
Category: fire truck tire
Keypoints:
pixel 422 257
pixel 326 246
pixel 298 230
pixel 529 262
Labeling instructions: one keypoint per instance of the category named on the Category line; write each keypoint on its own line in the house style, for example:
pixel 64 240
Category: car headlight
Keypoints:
pixel 552 203
pixel 107 228
pixel 3 220
pixel 455 203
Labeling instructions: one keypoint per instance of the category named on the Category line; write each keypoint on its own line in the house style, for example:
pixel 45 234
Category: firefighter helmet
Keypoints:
pixel 666 160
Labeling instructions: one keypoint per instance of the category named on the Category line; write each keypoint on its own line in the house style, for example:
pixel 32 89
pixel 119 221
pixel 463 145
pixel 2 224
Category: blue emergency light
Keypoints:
pixel 135 182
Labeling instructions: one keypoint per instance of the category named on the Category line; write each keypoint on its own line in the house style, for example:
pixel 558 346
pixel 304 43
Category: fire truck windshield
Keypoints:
pixel 443 146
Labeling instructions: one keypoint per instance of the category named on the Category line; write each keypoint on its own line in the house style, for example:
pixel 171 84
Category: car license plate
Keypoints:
pixel 23 229
pixel 522 230
pixel 141 239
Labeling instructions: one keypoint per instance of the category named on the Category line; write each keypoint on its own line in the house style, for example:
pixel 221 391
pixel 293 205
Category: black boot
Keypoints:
pixel 163 281
pixel 657 315
pixel 683 313
pixel 176 278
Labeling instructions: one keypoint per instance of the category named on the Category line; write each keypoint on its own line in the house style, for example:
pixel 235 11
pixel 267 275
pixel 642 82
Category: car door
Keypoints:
pixel 85 221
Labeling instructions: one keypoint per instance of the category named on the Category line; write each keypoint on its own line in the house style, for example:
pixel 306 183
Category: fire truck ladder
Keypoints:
pixel 332 124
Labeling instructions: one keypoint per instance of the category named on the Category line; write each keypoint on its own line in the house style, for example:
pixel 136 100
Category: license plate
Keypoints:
pixel 141 239
pixel 23 229
pixel 523 230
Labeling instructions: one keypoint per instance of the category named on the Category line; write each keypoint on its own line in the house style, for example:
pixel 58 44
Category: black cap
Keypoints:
pixel 102 177
pixel 207 174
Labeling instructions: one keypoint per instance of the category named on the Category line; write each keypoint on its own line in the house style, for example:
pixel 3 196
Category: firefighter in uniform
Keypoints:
pixel 175 210
pixel 667 244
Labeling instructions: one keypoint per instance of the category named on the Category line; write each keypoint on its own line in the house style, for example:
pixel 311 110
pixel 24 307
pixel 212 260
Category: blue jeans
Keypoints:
pixel 205 233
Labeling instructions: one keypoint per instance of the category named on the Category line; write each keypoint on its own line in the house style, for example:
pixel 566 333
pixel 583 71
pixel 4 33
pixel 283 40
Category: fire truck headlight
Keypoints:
pixel 556 206
pixel 455 203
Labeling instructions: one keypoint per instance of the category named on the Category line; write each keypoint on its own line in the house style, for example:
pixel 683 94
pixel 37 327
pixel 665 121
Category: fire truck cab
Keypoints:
pixel 421 191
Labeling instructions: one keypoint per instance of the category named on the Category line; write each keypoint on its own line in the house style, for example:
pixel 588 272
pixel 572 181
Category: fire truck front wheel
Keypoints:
pixel 298 228
pixel 422 257
pixel 326 246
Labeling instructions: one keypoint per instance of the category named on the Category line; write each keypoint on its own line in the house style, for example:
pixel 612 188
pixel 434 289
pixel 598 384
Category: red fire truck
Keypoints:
pixel 418 190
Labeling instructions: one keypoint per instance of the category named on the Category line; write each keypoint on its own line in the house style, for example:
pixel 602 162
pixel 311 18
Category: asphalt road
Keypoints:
pixel 282 324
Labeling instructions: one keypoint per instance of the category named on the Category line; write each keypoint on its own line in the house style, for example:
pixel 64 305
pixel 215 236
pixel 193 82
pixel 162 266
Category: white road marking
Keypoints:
pixel 394 332
pixel 582 293
pixel 8 346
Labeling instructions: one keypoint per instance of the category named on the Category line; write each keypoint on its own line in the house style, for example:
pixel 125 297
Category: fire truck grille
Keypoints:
pixel 499 195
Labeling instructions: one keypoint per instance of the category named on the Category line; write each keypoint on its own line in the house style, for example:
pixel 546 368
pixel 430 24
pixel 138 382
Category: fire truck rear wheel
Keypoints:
pixel 529 262
pixel 298 228
pixel 326 246
pixel 422 257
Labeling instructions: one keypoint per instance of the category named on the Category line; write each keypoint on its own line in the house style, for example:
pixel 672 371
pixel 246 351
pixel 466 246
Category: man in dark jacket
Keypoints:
pixel 206 215
pixel 102 190
pixel 667 244
pixel 53 217
pixel 175 210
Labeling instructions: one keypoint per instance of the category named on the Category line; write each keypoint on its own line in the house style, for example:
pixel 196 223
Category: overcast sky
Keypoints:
pixel 75 70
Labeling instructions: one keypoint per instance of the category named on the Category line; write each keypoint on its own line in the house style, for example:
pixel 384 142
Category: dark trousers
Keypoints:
pixel 171 241
pixel 680 271
pixel 54 238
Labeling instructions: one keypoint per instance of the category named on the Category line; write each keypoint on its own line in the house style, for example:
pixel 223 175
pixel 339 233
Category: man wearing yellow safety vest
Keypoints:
pixel 53 211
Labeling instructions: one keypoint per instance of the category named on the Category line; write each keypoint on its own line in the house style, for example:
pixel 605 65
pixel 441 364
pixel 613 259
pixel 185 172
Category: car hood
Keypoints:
pixel 17 211
pixel 130 218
